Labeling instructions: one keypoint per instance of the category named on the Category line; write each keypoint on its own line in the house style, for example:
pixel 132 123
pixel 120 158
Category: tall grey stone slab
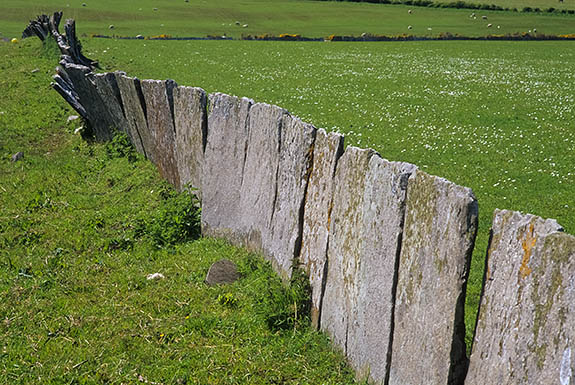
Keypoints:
pixel 98 117
pixel 135 113
pixel 223 169
pixel 107 87
pixel 371 319
pixel 259 186
pixel 158 96
pixel 525 332
pixel 191 123
pixel 345 241
pixel 439 233
pixel 327 150
pixel 295 157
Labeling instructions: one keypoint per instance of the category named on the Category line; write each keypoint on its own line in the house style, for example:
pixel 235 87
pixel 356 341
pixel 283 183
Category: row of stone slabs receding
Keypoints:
pixel 385 245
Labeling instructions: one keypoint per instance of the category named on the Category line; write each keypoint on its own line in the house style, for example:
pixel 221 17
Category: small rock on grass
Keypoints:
pixel 71 118
pixel 155 276
pixel 17 156
pixel 222 272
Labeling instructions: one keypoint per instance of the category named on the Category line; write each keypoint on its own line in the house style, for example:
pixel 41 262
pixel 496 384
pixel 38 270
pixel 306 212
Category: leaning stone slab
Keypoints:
pixel 371 319
pixel 328 148
pixel 295 156
pixel 345 242
pixel 97 113
pixel 439 233
pixel 259 186
pixel 158 96
pixel 191 123
pixel 525 331
pixel 107 87
pixel 135 113
pixel 223 169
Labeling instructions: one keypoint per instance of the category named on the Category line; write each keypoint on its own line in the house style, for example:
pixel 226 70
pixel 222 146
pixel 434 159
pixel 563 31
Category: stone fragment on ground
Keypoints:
pixel 17 156
pixel 222 272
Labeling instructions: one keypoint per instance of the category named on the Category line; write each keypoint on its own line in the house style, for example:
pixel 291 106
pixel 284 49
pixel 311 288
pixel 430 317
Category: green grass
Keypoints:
pixel 308 18
pixel 498 117
pixel 81 227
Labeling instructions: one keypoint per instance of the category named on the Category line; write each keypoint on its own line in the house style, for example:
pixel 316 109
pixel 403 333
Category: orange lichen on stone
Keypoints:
pixel 528 244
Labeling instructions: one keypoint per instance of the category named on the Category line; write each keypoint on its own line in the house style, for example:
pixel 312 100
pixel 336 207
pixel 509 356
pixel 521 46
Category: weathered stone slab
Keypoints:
pixel 345 241
pixel 158 96
pixel 439 233
pixel 107 87
pixel 222 272
pixel 371 319
pixel 295 157
pixel 525 332
pixel 191 123
pixel 364 244
pixel 135 113
pixel 98 118
pixel 328 148
pixel 223 169
pixel 259 186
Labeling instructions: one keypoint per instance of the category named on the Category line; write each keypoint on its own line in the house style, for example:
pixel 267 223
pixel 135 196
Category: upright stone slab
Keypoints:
pixel 371 319
pixel 525 331
pixel 223 169
pixel 107 87
pixel 295 156
pixel 328 148
pixel 191 123
pixel 259 186
pixel 345 241
pixel 429 331
pixel 158 96
pixel 135 113
pixel 98 117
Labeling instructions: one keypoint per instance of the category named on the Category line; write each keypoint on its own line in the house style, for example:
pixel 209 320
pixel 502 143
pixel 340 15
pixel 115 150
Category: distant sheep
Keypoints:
pixel 409 27
pixel 489 25
pixel 409 11
pixel 484 17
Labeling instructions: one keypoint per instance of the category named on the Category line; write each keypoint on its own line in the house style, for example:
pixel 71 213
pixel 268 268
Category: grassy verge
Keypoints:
pixel 81 227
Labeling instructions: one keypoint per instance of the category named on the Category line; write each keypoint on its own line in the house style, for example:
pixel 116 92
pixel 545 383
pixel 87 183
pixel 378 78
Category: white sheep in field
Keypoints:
pixel 409 11
pixel 409 27
pixel 484 17
pixel 489 25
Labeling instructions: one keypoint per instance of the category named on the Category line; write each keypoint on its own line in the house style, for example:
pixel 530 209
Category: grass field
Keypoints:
pixel 81 227
pixel 308 18
pixel 498 117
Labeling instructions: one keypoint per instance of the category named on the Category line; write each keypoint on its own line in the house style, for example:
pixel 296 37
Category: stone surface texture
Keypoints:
pixel 365 238
pixel 222 272
pixel 191 124
pixel 295 157
pixel 525 332
pixel 371 319
pixel 259 186
pixel 98 118
pixel 135 113
pixel 327 150
pixel 345 241
pixel 223 169
pixel 107 87
pixel 158 96
pixel 439 233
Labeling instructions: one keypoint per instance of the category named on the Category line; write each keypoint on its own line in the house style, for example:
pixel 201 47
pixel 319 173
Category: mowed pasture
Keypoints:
pixel 498 117
pixel 308 18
